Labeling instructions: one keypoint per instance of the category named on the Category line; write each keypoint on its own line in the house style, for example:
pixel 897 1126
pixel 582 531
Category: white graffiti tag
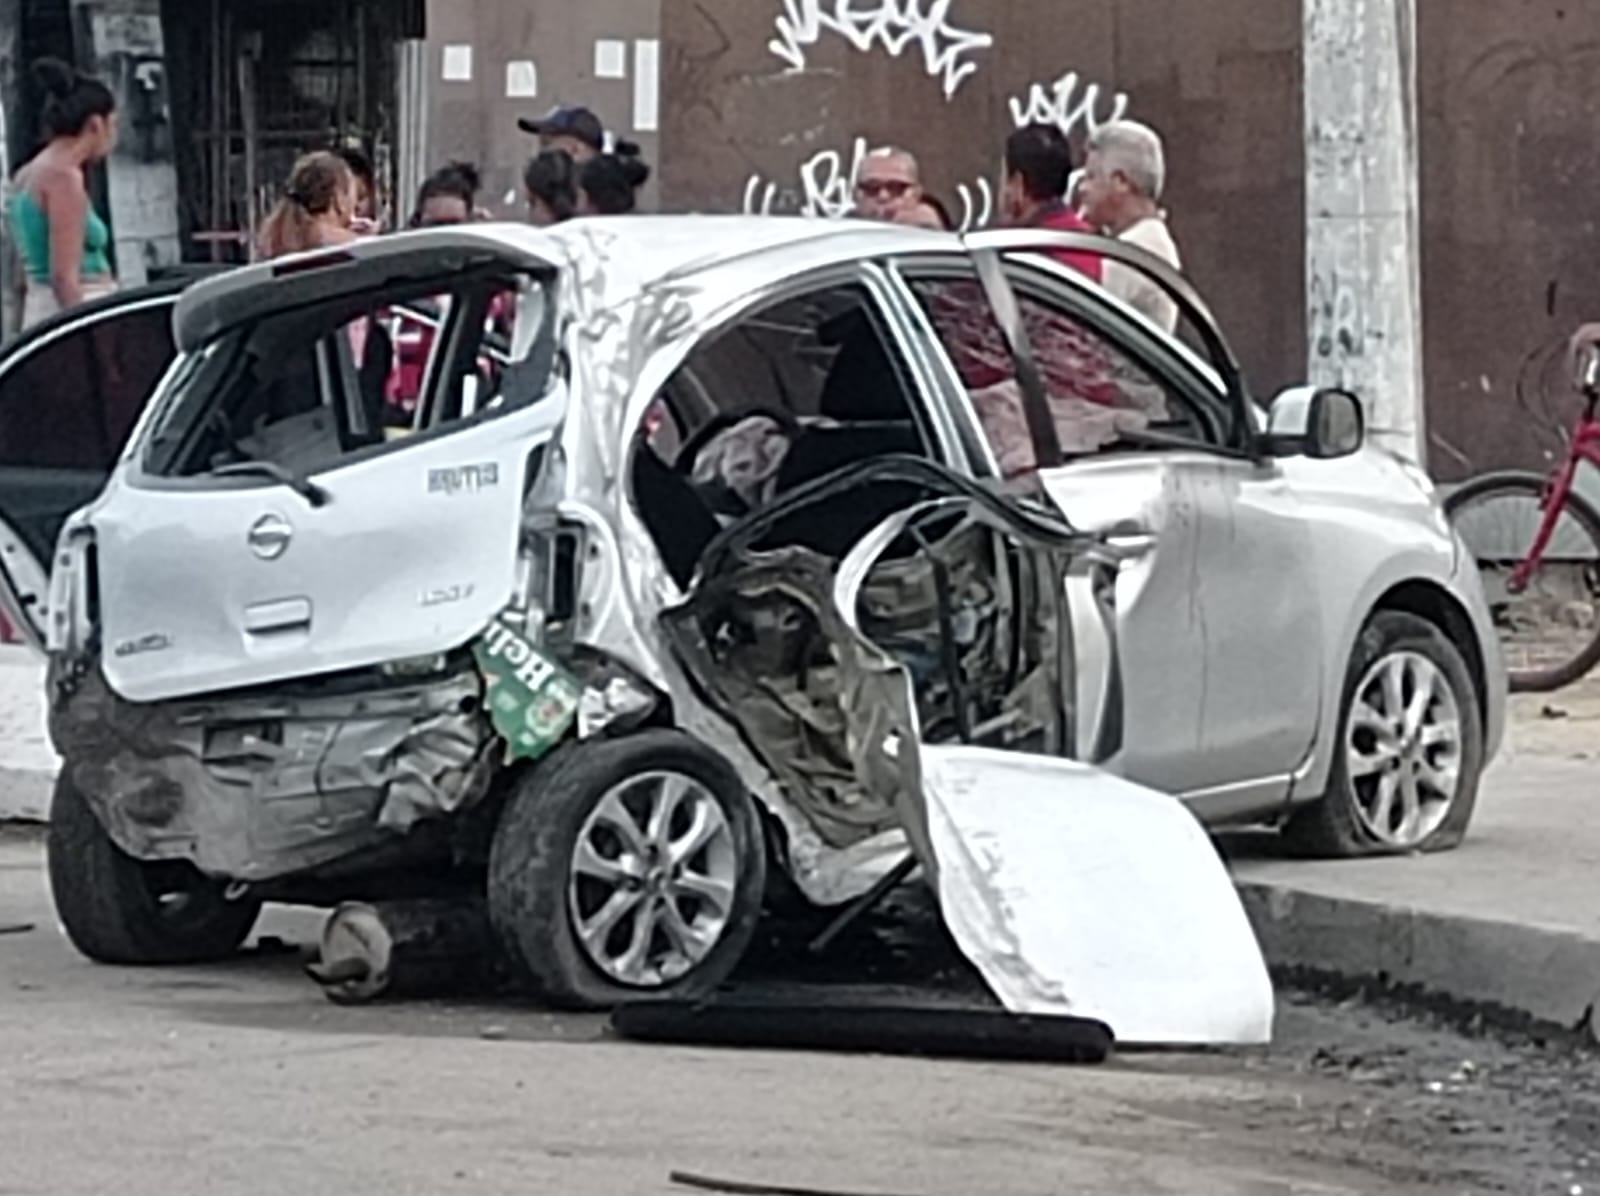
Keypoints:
pixel 976 214
pixel 895 25
pixel 827 189
pixel 827 186
pixel 1063 105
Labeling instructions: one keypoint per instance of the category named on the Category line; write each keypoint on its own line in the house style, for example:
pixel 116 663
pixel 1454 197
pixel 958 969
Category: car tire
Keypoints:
pixel 1375 748
pixel 122 911
pixel 573 892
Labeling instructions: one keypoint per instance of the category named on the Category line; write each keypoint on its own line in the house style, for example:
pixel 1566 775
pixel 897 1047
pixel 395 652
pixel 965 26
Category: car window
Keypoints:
pixel 1102 396
pixel 783 396
pixel 67 406
pixel 303 389
pixel 819 358
pixel 71 402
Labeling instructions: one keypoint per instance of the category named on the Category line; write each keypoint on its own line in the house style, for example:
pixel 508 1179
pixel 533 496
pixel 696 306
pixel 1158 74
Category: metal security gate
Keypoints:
pixel 260 82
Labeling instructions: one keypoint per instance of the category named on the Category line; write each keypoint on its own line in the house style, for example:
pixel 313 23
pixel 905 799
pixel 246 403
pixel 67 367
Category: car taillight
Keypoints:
pixel 8 633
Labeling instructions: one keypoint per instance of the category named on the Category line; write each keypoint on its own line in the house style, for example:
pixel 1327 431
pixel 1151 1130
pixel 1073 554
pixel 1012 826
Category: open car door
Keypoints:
pixel 924 683
pixel 1153 439
pixel 71 390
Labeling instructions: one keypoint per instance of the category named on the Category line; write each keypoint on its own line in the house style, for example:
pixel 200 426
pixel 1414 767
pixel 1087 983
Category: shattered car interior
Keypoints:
pixel 792 485
pixel 852 553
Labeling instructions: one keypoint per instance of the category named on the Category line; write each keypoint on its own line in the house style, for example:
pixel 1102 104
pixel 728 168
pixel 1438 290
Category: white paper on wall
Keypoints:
pixel 458 64
pixel 610 58
pixel 522 80
pixel 646 85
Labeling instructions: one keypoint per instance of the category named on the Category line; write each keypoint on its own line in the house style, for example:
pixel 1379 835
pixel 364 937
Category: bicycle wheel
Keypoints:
pixel 1550 630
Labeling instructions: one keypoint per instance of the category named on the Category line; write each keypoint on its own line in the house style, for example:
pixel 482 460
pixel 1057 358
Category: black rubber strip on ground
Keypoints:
pixel 874 1029
pixel 733 1187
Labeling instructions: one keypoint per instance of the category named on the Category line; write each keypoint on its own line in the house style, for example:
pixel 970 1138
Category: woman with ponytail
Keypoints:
pixel 317 211
pixel 551 181
pixel 63 243
pixel 609 183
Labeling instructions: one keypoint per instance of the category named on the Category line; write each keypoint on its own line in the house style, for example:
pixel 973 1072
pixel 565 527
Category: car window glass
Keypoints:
pixel 1102 397
pixel 66 410
pixel 821 357
pixel 782 397
pixel 71 403
pixel 305 388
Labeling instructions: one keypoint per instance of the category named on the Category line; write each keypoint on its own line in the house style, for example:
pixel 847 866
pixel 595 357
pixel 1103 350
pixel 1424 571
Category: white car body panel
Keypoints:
pixel 1376 529
pixel 1207 710
pixel 1082 894
pixel 355 586
pixel 640 292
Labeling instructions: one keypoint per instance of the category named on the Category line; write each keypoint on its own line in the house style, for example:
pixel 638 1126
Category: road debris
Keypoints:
pixel 1159 915
pixel 395 948
pixel 883 1029
pixel 705 1183
pixel 17 928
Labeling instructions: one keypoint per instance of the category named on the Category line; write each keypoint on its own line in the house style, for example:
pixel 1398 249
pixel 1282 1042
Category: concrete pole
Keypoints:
pixel 1363 236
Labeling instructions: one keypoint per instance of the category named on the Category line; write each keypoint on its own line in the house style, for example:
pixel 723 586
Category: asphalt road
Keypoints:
pixel 244 1079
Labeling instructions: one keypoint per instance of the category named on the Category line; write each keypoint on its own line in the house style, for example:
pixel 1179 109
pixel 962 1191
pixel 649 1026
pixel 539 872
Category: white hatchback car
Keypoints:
pixel 675 536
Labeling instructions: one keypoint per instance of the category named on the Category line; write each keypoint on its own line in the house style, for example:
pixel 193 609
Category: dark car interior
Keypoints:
pixel 820 372
pixel 68 406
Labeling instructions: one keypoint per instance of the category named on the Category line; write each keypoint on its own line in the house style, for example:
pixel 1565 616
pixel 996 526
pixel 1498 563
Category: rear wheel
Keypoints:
pixel 627 868
pixel 1549 630
pixel 1409 751
pixel 119 910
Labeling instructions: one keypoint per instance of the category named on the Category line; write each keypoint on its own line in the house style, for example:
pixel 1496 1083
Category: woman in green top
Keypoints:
pixel 63 244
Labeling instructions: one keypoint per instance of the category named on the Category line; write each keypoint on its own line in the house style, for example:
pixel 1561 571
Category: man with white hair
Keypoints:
pixel 1123 179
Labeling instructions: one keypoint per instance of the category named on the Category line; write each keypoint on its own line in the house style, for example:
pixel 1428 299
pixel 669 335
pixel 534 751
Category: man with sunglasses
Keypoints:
pixel 888 186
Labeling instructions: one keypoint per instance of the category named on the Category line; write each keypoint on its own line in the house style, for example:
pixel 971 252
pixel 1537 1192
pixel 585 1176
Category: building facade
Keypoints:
pixel 1396 195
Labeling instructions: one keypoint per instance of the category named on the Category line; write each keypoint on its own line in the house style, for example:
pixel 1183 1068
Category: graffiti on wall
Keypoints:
pixel 895 26
pixel 825 182
pixel 1068 106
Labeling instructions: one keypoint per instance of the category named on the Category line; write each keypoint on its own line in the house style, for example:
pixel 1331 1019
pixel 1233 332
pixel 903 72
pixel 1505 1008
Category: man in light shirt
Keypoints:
pixel 1123 179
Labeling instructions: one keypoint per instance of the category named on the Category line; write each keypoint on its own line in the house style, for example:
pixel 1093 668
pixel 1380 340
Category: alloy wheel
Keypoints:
pixel 1403 749
pixel 653 877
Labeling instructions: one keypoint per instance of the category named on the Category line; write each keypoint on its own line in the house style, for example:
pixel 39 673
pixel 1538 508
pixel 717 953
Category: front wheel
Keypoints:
pixel 1549 630
pixel 119 910
pixel 627 868
pixel 1409 752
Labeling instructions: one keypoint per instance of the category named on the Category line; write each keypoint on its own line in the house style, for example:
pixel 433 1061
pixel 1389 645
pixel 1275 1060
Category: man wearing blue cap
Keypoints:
pixel 578 131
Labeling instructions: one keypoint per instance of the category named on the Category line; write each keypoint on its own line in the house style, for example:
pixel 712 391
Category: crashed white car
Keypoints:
pixel 710 545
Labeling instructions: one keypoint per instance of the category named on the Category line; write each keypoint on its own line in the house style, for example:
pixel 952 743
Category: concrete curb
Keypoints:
pixel 1515 975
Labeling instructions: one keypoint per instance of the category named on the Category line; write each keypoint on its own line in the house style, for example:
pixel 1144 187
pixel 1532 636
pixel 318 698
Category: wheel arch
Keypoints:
pixel 1428 600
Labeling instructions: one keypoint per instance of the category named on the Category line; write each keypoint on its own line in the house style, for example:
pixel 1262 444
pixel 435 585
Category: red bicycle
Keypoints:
pixel 1536 539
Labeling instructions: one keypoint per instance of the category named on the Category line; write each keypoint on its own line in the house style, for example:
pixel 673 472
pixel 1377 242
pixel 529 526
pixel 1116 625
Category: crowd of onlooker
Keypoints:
pixel 1116 191
pixel 62 245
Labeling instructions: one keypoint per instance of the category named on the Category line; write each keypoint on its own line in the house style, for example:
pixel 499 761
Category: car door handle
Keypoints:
pixel 287 614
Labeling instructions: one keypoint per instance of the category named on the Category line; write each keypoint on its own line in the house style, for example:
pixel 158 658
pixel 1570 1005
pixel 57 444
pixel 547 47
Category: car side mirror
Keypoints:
pixel 1319 423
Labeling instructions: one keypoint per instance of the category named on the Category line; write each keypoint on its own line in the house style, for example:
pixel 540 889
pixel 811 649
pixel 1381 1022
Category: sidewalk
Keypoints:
pixel 1509 924
pixel 27 764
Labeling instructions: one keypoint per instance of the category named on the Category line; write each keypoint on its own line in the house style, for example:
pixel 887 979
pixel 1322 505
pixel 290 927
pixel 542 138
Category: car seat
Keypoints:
pixel 864 397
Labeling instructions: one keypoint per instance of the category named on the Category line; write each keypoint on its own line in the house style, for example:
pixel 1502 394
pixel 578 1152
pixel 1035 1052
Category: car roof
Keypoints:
pixel 659 248
pixel 611 260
